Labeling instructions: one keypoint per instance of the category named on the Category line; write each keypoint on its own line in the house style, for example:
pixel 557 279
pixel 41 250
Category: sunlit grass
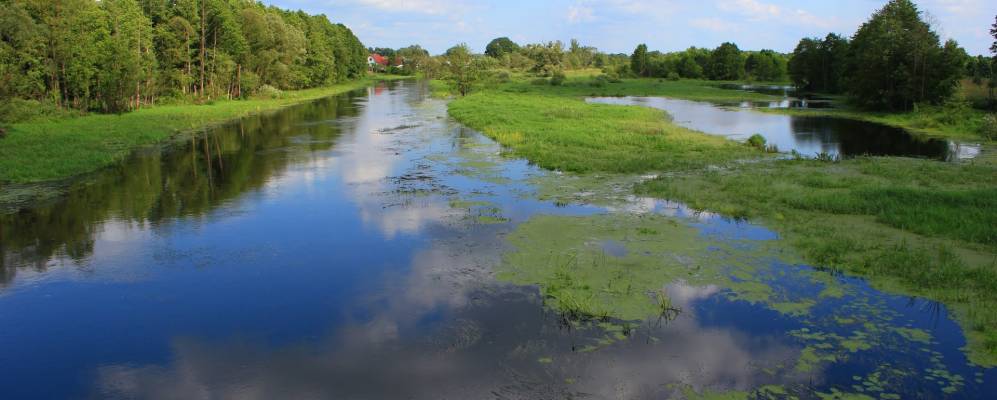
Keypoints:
pixel 50 150
pixel 567 134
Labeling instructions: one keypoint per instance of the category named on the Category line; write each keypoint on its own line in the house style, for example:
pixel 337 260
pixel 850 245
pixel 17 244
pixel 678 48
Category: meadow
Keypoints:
pixel 58 148
pixel 912 226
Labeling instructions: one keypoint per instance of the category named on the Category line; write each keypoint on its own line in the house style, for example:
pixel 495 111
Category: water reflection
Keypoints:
pixel 347 249
pixel 809 136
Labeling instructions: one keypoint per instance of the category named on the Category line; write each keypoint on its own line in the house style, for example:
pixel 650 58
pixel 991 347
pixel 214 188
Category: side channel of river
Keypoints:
pixel 367 246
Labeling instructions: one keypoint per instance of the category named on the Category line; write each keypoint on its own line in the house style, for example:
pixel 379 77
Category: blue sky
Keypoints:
pixel 618 25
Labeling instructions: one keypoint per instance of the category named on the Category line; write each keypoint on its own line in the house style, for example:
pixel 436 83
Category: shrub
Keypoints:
pixel 558 78
pixel 989 127
pixel 539 81
pixel 20 110
pixel 757 141
pixel 673 76
pixel 270 91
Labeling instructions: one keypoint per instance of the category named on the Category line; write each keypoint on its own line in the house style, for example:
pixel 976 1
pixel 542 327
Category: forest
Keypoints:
pixel 59 56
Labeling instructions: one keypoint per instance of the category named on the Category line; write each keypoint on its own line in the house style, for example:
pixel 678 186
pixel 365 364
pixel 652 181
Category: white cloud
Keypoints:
pixel 579 13
pixel 432 7
pixel 751 8
pixel 712 24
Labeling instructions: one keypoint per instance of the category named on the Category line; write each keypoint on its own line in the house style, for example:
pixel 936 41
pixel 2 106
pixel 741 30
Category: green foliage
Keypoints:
pixel 557 79
pixel 464 71
pixel 639 62
pixel 547 58
pixel 819 65
pixel 500 47
pixel 896 61
pixel 119 55
pixel 989 127
pixel 757 141
pixel 726 63
pixel 766 65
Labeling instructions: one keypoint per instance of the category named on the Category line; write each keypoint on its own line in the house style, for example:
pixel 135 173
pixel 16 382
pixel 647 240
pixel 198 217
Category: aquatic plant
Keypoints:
pixel 757 141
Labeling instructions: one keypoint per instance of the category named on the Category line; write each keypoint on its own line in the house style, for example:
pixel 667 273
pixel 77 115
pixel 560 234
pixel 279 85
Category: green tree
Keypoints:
pixel 639 61
pixel 129 64
pixel 547 58
pixel 765 65
pixel 819 65
pixel 726 63
pixel 501 47
pixel 897 61
pixel 463 71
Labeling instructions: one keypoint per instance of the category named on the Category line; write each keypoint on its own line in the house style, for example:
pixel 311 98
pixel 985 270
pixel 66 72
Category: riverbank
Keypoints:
pixel 910 226
pixel 41 151
pixel 955 121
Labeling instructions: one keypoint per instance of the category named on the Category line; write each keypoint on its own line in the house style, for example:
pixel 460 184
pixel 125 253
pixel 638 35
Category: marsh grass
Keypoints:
pixel 52 149
pixel 567 134
pixel 915 226
pixel 952 121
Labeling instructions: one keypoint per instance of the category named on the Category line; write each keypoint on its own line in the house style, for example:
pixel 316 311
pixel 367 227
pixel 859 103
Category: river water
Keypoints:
pixel 810 136
pixel 358 247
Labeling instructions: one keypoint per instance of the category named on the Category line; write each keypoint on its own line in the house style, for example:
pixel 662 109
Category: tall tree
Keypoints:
pixel 639 61
pixel 896 61
pixel 500 47
pixel 726 63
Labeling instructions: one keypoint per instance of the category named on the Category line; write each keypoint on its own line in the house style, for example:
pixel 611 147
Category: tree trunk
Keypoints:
pixel 203 23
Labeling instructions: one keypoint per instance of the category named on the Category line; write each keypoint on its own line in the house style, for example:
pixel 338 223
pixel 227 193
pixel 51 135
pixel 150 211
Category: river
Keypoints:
pixel 367 246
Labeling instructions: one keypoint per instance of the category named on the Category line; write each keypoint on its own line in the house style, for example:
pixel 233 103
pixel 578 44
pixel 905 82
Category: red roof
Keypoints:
pixel 379 59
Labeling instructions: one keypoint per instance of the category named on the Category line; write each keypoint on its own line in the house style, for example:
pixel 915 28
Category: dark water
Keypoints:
pixel 322 252
pixel 809 136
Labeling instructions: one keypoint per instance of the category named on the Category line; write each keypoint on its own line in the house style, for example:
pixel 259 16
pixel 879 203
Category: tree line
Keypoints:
pixel 119 55
pixel 893 62
pixel 727 62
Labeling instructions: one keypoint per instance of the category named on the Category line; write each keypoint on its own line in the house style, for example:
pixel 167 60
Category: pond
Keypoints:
pixel 367 246
pixel 809 136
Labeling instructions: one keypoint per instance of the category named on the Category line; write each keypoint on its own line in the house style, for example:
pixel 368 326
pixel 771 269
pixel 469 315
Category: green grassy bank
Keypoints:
pixel 570 135
pixel 38 151
pixel 954 121
pixel 912 226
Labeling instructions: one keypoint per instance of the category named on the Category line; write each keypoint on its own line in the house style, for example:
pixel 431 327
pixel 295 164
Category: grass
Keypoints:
pixel 950 122
pixel 955 121
pixel 588 86
pixel 47 150
pixel 914 226
pixel 567 134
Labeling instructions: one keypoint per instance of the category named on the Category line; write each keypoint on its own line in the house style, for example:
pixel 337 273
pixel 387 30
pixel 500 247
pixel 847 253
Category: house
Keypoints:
pixel 376 62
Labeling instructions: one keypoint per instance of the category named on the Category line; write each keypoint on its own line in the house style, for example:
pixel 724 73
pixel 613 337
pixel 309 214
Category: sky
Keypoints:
pixel 617 26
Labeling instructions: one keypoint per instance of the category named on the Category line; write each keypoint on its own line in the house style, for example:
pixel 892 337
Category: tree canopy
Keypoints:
pixel 500 47
pixel 115 55
pixel 896 61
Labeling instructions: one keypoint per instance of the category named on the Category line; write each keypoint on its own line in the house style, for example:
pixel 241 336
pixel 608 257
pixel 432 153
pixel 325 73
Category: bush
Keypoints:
pixel 20 110
pixel 540 82
pixel 503 77
pixel 558 78
pixel 757 141
pixel 673 76
pixel 989 127
pixel 599 81
pixel 270 91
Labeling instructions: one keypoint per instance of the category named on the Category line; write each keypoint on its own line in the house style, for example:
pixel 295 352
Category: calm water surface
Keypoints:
pixel 807 135
pixel 346 248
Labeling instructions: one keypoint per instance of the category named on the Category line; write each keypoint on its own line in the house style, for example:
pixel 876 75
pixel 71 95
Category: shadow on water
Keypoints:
pixel 352 248
pixel 808 136
pixel 156 186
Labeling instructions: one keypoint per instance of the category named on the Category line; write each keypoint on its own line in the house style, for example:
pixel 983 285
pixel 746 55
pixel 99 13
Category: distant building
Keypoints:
pixel 376 62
